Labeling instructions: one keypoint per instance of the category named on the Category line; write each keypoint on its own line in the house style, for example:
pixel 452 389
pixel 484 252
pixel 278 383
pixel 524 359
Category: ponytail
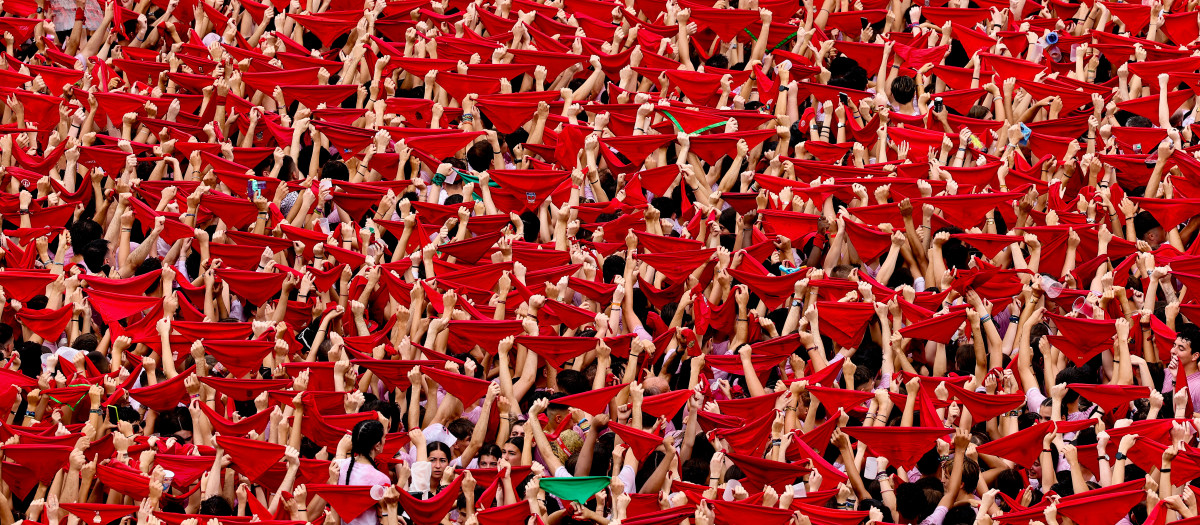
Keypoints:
pixel 350 467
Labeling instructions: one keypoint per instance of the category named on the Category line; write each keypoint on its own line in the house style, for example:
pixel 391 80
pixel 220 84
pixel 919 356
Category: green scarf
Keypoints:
pixel 577 489
pixel 439 179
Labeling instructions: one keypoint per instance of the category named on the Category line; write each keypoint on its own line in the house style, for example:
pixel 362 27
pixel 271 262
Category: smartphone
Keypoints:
pixel 845 99
pixel 938 106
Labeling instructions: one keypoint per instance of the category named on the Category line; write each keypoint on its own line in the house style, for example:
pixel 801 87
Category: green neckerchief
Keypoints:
pixel 439 178
pixel 679 127
pixel 578 489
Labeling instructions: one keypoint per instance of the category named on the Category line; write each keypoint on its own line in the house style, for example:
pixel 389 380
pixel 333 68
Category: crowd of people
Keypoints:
pixel 731 262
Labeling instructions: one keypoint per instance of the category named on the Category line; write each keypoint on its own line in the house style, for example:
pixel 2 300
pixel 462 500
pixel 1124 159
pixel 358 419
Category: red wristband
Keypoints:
pixel 80 16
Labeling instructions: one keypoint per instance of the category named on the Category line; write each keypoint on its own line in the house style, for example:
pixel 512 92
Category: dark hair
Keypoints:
pixel 388 409
pixel 1009 482
pixel 573 382
pixel 1072 375
pixel 148 265
pixel 363 438
pixel 93 254
pixel 461 428
pixel 479 156
pixel 847 74
pixel 1191 334
pixel 960 515
pixel 287 167
pixel 439 446
pixel 6 333
pixel 919 499
pixel 216 506
pixel 85 343
pixel 1143 222
pixel 491 449
pixel 84 231
pixel 31 358
pixel 100 361
pixel 335 170
pixel 904 88
pixel 1138 121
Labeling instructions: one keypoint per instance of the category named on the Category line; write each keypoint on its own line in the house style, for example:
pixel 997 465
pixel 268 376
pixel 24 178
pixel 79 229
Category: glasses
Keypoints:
pixel 181 439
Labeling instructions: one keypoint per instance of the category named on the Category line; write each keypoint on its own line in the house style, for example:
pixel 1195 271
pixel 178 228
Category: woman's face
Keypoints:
pixel 439 462
pixel 518 431
pixel 489 462
pixel 511 453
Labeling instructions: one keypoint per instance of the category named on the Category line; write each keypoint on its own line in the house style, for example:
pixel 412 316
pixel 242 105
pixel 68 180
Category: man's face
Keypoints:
pixel 460 446
pixel 488 462
pixel 1183 351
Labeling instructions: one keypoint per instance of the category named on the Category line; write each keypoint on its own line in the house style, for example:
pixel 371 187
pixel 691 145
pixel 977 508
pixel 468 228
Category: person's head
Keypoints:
pixel 655 385
pixel 439 458
pixel 31 358
pixel 1045 410
pixel 846 73
pixel 176 424
pixel 489 455
pixel 1009 482
pixel 1072 375
pixel 511 451
pixel 556 413
pixel 479 156
pixel 1187 346
pixel 7 341
pixel 1148 229
pixel 979 112
pixel 916 500
pixel 216 506
pixel 963 514
pixel 572 382
pixel 86 342
pixel 904 88
pixel 718 60
pixel 1035 469
pixel 100 361
pixel 95 254
pixel 970 474
pixel 461 429
pixel 84 231
pixel 288 170
pixel 366 438
pixel 1138 121
pixel 335 170
pixel 518 429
